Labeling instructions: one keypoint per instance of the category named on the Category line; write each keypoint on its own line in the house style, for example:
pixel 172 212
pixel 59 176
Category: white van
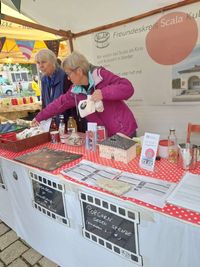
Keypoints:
pixel 8 89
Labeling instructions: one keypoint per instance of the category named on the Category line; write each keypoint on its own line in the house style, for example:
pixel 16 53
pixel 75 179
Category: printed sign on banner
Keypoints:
pixel 113 227
pixel 149 151
pixel 48 197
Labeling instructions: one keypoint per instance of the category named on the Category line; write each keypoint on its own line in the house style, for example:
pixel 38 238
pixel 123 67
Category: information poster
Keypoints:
pixel 158 54
pixel 110 226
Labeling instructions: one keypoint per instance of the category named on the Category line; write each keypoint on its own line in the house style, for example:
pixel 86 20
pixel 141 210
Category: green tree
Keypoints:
pixel 20 66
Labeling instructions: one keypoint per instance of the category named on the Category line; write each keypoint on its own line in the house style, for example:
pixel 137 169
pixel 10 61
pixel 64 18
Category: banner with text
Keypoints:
pixel 160 55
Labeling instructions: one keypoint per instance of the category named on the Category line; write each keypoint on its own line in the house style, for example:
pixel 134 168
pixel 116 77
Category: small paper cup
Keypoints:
pixel 163 149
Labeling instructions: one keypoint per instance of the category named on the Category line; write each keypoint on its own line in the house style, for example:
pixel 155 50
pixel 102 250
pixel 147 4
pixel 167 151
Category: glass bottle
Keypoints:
pixel 53 126
pixel 71 125
pixel 61 128
pixel 172 146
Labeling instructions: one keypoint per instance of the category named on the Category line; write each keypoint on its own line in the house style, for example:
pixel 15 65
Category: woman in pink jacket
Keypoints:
pixel 101 85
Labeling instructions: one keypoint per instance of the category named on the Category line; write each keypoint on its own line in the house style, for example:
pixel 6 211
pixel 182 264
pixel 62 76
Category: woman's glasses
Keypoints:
pixel 70 72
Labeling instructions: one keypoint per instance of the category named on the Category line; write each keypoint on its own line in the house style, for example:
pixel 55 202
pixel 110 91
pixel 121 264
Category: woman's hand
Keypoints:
pixel 97 95
pixel 34 123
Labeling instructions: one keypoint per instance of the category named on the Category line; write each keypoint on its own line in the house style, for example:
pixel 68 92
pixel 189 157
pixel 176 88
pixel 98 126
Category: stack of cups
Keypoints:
pixel 163 149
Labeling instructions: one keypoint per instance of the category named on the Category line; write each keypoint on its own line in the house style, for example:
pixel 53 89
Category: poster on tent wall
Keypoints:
pixel 160 55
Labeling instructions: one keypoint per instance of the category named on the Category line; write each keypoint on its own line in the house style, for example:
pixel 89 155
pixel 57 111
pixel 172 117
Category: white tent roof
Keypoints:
pixel 79 15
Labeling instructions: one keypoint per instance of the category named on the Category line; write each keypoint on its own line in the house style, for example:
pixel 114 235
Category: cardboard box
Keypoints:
pixel 118 148
pixel 8 141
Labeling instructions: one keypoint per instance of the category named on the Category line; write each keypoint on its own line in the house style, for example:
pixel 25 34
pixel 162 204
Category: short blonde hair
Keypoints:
pixel 76 60
pixel 46 54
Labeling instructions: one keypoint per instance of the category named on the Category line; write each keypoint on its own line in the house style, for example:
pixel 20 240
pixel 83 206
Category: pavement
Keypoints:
pixel 15 252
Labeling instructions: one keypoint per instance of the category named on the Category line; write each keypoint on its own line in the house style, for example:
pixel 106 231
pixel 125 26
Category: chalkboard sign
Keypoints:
pixel 111 226
pixel 2 185
pixel 48 197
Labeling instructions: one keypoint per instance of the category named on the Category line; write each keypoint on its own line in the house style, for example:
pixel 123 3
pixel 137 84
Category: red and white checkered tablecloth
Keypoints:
pixel 163 170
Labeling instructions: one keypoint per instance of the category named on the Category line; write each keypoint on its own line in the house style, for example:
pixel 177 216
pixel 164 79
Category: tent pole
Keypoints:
pixel 70 39
pixel 62 33
pixel 71 44
pixel 0 11
pixel 141 16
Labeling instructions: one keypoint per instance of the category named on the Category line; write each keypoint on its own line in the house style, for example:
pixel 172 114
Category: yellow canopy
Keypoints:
pixel 10 52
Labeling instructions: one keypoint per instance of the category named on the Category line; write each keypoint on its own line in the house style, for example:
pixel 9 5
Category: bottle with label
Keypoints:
pixel 53 126
pixel 61 128
pixel 172 146
pixel 71 125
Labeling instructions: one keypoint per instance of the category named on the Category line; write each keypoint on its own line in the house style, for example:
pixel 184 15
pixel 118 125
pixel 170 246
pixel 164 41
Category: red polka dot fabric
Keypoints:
pixel 163 170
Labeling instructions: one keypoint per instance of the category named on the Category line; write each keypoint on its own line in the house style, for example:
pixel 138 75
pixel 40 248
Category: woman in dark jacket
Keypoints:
pixel 54 81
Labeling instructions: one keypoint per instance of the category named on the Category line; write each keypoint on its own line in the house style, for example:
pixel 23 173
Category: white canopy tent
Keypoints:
pixel 79 15
pixel 156 104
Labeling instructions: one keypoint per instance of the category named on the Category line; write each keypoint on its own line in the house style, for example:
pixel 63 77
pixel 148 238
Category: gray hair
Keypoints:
pixel 46 54
pixel 76 60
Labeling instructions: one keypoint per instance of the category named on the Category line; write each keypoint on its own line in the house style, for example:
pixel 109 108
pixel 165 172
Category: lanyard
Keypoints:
pixel 50 85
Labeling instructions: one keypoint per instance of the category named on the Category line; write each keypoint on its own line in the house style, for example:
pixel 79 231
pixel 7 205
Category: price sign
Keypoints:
pixel 149 151
pixel 48 197
pixel 111 226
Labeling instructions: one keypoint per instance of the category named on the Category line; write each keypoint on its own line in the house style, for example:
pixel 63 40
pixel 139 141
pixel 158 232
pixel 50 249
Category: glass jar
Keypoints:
pixel 71 125
pixel 172 146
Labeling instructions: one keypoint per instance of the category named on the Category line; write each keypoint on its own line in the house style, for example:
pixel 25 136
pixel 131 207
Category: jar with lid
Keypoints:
pixel 71 125
pixel 172 146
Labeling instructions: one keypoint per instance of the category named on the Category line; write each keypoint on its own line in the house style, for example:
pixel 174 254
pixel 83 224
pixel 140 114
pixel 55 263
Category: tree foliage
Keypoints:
pixel 19 67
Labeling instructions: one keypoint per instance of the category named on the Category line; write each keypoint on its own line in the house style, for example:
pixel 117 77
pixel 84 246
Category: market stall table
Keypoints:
pixel 168 236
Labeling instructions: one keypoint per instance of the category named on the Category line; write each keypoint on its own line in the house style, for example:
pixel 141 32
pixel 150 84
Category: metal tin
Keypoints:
pixel 55 137
pixel 187 156
pixel 101 133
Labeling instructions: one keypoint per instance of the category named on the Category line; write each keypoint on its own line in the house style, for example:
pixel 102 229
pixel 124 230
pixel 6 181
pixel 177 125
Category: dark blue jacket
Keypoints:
pixel 52 89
